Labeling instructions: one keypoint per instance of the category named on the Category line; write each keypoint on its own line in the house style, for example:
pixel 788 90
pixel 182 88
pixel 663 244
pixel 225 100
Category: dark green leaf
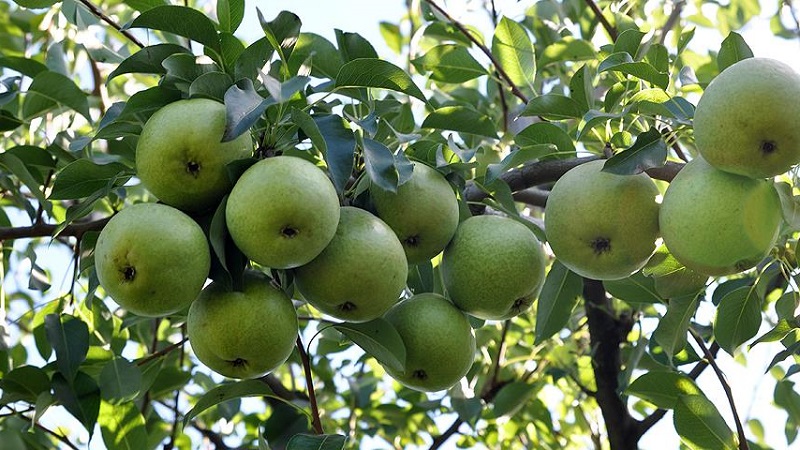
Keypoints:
pixel 449 63
pixel 243 106
pixel 377 73
pixel 628 42
pixel 282 32
pixel 82 178
pixel 306 123
pixel 663 388
pixel 9 121
pixel 647 152
pixel 672 279
pixel 122 426
pixel 546 133
pixel 120 381
pixel 230 391
pixel 52 89
pixel 182 21
pixel 623 63
pixel 211 85
pixel 581 89
pixel 553 107
pixel 252 59
pixel 700 425
pixel 635 289
pixel 317 442
pixel 317 53
pixel 14 165
pixel 461 119
pixel 379 163
pixel 340 146
pixel 24 383
pixel 379 339
pixel 560 294
pixel 672 328
pixel 25 66
pixel 512 397
pixel 36 4
pixel 182 70
pixel 230 14
pixel 81 397
pixel 778 332
pixel 69 337
pixel 733 50
pixel 738 318
pixel 658 57
pixel 513 49
pixel 353 46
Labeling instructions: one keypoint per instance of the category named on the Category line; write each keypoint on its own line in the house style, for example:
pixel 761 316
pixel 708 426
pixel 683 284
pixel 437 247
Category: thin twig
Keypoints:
pixel 498 67
pixel 105 18
pixel 161 352
pixel 60 437
pixel 610 29
pixel 312 397
pixel 725 387
pixel 176 414
pixel 673 18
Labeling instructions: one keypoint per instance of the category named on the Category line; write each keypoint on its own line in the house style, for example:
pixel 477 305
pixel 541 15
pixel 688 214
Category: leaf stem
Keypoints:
pixel 725 387
pixel 312 397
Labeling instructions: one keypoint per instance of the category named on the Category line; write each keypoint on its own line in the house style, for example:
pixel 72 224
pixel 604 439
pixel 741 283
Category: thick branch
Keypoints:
pixel 607 332
pixel 498 67
pixel 44 230
pixel 105 18
pixel 610 29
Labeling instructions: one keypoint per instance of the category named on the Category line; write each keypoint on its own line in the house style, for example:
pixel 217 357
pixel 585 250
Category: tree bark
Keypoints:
pixel 607 332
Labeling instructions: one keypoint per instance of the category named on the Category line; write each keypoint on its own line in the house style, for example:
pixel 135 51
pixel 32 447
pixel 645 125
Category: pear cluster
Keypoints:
pixel 283 213
pixel 720 215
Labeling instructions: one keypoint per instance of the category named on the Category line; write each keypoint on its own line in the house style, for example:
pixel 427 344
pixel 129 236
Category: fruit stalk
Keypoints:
pixel 312 397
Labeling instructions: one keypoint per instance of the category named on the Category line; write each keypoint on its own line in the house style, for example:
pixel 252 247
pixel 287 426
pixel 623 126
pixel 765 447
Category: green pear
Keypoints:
pixel 152 259
pixel 493 268
pixel 180 156
pixel 746 120
pixel 423 212
pixel 360 274
pixel 718 223
pixel 242 334
pixel 439 341
pixel 282 212
pixel 601 225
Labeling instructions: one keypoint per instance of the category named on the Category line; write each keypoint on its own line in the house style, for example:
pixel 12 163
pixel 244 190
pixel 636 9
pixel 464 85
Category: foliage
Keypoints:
pixel 562 84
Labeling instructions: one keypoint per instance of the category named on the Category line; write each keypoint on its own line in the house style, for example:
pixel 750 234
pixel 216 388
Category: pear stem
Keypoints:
pixel 312 397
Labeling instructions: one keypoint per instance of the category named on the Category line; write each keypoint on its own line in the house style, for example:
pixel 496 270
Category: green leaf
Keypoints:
pixel 120 381
pixel 560 294
pixel 339 151
pixel 513 49
pixel 392 36
pixel 377 73
pixel 317 442
pixel 663 388
pixel 553 107
pixel 25 66
pixel 82 178
pixel 252 59
pixel 623 63
pixel 778 332
pixel 69 337
pixel 647 152
pixel 379 164
pixel 353 46
pixel 122 426
pixel 244 106
pixel 14 165
pixel 449 63
pixel 672 279
pixel 81 397
pixel 282 34
pixel 790 204
pixel 512 397
pixel 672 328
pixel 461 119
pixel 36 4
pixel 306 123
pixel 230 14
pixel 546 133
pixel 24 383
pixel 738 318
pixel 318 53
pixel 700 425
pixel 379 339
pixel 581 89
pixel 211 85
pixel 628 42
pixel 567 49
pixel 230 391
pixel 733 50
pixel 635 289
pixel 52 89
pixel 182 21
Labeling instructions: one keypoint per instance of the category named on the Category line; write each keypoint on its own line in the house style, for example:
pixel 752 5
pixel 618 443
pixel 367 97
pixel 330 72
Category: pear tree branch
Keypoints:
pixel 316 421
pixel 610 29
pixel 105 18
pixel 76 230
